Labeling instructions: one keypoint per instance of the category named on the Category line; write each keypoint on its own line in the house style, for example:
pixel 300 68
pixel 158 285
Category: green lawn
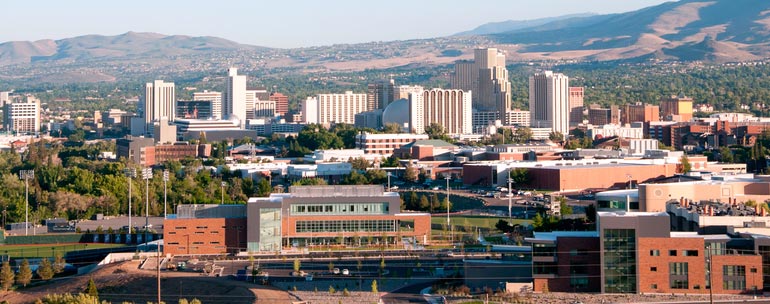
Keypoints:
pixel 34 251
pixel 474 221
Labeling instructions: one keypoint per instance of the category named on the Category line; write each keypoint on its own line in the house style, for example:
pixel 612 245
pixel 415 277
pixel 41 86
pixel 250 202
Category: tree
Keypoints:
pixel 504 226
pixel 91 289
pixel 436 131
pixel 359 163
pixel 537 221
pixel 411 174
pixel 725 155
pixel 390 162
pixel 45 270
pixel 685 164
pixel 68 298
pixel 555 136
pixel 6 276
pixel 522 135
pixel 310 182
pixel 520 176
pixel 297 265
pixel 25 274
pixel 264 188
pixel 564 209
pixel 374 287
pixel 392 128
pixel 332 290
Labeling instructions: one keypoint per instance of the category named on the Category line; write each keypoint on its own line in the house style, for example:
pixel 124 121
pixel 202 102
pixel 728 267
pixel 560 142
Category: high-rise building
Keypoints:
pixel 193 109
pixel 549 101
pixel 334 108
pixel 487 78
pixel 159 102
pixel 264 108
pixel 677 106
pixel 601 116
pixel 216 102
pixel 234 96
pixel 575 105
pixel 640 113
pixel 403 91
pixel 380 94
pixel 4 98
pixel 448 108
pixel 281 103
pixel 22 117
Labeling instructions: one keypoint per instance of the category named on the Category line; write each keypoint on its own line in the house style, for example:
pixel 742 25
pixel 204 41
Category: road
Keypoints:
pixel 407 294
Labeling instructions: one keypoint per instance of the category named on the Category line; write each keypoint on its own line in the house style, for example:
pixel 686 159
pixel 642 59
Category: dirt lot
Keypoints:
pixel 123 282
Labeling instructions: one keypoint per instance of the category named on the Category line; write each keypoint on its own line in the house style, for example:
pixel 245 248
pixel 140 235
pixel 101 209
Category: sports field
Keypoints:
pixel 39 251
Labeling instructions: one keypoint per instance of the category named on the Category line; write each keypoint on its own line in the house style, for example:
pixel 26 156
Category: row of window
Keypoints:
pixel 348 226
pixel 656 252
pixel 340 208
pixel 194 243
pixel 734 276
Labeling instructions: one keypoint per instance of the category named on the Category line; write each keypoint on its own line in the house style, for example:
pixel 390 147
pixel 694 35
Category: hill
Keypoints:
pixel 512 25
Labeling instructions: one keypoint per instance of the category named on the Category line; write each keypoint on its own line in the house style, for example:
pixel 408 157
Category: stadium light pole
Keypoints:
pixel 449 226
pixel 130 173
pixel 223 192
pixel 165 193
pixel 146 175
pixel 510 197
pixel 388 181
pixel 26 175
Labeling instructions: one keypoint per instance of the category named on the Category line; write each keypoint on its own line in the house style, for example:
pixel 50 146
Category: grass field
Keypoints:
pixel 36 251
pixel 474 221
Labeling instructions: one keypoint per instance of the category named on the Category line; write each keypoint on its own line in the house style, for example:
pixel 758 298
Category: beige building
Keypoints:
pixel 576 105
pixel 22 117
pixel 487 78
pixel 159 102
pixel 216 101
pixel 653 197
pixel 549 101
pixel 448 108
pixel 334 108
pixel 234 96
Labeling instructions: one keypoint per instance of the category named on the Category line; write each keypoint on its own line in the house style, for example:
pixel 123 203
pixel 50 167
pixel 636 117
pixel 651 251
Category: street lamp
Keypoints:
pixel 146 175
pixel 165 190
pixel 223 192
pixel 130 173
pixel 449 226
pixel 26 175
pixel 389 181
pixel 510 196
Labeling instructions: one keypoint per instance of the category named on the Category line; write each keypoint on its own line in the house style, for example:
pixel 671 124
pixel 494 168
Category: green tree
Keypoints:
pixel 564 209
pixel 556 136
pixel 263 188
pixel 374 287
pixel 522 135
pixel 685 164
pixel 91 289
pixel 25 274
pixel 45 269
pixel 359 163
pixel 725 155
pixel 390 162
pixel 392 128
pixel 195 301
pixel 68 298
pixel 6 276
pixel 310 182
pixel 520 176
pixel 436 131
pixel 297 265
pixel 411 174
pixel 332 290
pixel 537 221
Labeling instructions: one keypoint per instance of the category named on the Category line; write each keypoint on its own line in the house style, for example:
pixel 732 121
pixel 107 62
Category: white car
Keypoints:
pixel 345 272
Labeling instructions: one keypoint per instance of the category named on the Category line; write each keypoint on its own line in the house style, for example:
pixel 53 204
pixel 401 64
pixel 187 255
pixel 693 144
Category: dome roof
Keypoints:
pixel 396 112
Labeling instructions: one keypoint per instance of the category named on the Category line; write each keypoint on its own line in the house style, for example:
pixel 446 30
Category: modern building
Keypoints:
pixel 448 108
pixel 281 103
pixel 678 108
pixel 334 108
pixel 159 102
pixel 576 105
pixel 380 94
pixel 205 229
pixel 202 125
pixel 194 109
pixel 215 99
pixel 234 97
pixel 487 78
pixel 144 151
pixel 549 101
pixel 385 144
pixel 22 117
pixel 634 130
pixel 369 119
pixel 602 116
pixel 264 108
pixel 640 113
pixel 314 215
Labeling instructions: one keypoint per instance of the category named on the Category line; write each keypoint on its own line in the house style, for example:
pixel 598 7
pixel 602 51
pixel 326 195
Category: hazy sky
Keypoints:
pixel 282 23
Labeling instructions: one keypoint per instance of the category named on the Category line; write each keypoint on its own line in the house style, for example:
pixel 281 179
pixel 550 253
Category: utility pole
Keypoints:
pixel 510 197
pixel 146 175
pixel 26 175
pixel 165 194
pixel 130 173
pixel 448 225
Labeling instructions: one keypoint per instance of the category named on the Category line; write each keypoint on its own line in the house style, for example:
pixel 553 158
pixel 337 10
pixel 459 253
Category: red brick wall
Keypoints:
pixel 203 236
pixel 577 251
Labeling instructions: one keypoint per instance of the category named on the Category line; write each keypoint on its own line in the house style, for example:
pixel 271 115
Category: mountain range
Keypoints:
pixel 716 31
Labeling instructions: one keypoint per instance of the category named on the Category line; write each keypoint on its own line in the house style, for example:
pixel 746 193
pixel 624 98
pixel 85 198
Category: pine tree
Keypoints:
pixel 6 276
pixel 91 288
pixel 25 274
pixel 59 263
pixel 45 269
pixel 374 287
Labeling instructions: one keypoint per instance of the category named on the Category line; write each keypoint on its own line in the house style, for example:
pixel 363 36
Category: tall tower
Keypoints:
pixel 234 96
pixel 448 108
pixel 216 102
pixel 487 78
pixel 159 102
pixel 575 105
pixel 549 101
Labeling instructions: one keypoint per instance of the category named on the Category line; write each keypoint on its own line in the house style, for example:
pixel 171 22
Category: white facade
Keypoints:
pixel 216 101
pixel 334 108
pixel 4 98
pixel 549 101
pixel 384 144
pixel 159 102
pixel 234 96
pixel 264 108
pixel 22 117
pixel 640 146
pixel 635 130
pixel 448 108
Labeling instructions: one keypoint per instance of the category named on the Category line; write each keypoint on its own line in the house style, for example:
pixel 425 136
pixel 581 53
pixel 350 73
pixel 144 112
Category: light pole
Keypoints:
pixel 146 175
pixel 130 173
pixel 165 192
pixel 223 192
pixel 26 175
pixel 448 225
pixel 708 262
pixel 389 181
pixel 629 180
pixel 510 197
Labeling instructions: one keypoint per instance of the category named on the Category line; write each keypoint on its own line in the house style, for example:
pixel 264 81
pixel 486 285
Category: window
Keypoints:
pixel 678 275
pixel 654 269
pixel 672 252
pixel 654 286
pixel 690 252
pixel 655 252
pixel 734 277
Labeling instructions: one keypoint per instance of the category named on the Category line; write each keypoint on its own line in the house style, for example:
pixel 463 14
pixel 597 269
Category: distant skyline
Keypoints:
pixel 284 24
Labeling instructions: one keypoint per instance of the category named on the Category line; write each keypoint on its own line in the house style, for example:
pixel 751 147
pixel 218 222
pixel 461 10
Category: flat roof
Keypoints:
pixel 710 237
pixel 551 236
pixel 629 214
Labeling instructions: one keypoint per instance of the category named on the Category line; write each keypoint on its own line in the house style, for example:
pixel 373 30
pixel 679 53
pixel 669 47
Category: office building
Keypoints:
pixel 194 109
pixel 159 102
pixel 385 144
pixel 264 108
pixel 22 117
pixel 487 78
pixel 676 108
pixel 549 101
pixel 334 108
pixel 601 116
pixel 640 113
pixel 448 108
pixel 234 97
pixel 380 94
pixel 215 98
pixel 281 103
pixel 576 105
pixel 5 97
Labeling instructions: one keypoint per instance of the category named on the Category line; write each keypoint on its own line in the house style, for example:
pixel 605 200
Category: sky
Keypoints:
pixel 283 23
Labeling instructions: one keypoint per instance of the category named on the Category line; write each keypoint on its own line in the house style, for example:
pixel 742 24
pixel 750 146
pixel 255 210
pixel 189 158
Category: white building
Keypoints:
pixel 448 108
pixel 640 146
pixel 634 130
pixel 263 108
pixel 216 101
pixel 234 96
pixel 22 117
pixel 334 108
pixel 159 102
pixel 549 101
pixel 4 98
